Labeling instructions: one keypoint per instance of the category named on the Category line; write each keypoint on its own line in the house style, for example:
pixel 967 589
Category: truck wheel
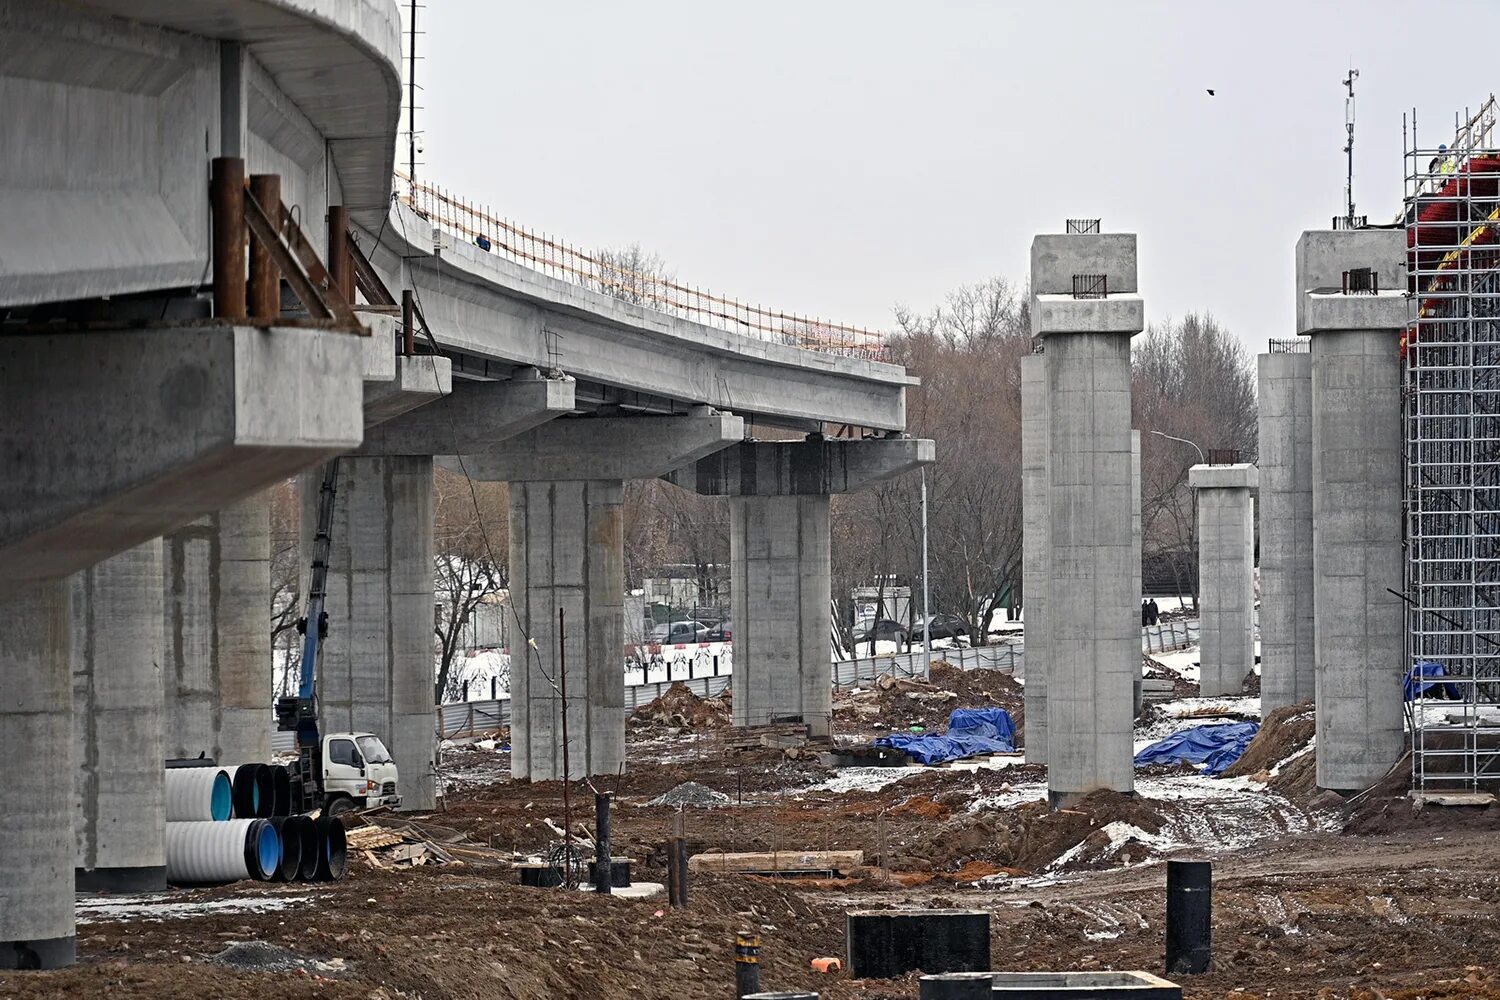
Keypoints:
pixel 341 805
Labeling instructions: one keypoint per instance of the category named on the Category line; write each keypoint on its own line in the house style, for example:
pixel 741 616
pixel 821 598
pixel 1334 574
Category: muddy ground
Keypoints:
pixel 1314 897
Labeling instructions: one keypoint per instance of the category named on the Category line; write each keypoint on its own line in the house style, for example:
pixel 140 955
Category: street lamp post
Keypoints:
pixel 1172 437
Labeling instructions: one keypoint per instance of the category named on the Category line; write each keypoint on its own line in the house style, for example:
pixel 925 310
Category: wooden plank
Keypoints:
pixel 778 861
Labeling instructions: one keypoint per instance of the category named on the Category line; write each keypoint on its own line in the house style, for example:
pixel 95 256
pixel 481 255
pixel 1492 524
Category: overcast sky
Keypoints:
pixel 837 158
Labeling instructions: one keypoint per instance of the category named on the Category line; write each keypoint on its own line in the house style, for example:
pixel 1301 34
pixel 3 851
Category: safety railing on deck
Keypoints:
pixel 624 280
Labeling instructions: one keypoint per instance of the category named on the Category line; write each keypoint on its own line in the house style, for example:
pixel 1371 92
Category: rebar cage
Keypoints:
pixel 1451 408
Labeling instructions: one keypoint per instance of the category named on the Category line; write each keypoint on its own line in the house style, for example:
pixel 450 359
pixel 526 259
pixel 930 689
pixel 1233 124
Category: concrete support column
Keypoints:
pixel 1357 471
pixel 1093 611
pixel 1034 552
pixel 118 784
pixel 566 551
pixel 1137 684
pixel 376 673
pixel 779 560
pixel 1286 531
pixel 1226 575
pixel 216 676
pixel 36 798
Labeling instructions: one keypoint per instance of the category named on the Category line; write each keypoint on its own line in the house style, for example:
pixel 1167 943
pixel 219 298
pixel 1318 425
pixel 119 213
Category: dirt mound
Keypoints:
pixel 1286 732
pixel 1181 687
pixel 1103 830
pixel 900 703
pixel 679 708
pixel 690 793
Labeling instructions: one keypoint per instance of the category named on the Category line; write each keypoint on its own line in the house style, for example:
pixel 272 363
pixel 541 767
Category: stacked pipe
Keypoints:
pixel 230 823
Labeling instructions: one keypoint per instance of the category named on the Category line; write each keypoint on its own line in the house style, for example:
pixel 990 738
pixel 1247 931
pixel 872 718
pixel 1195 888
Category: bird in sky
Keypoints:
pixel 1210 91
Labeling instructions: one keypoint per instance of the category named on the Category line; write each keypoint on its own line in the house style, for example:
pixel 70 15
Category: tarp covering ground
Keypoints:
pixel 1417 683
pixel 971 731
pixel 1214 746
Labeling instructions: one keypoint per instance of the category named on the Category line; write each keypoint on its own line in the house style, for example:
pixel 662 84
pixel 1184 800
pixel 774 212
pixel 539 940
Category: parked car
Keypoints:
pixel 884 630
pixel 671 633
pixel 720 632
pixel 944 626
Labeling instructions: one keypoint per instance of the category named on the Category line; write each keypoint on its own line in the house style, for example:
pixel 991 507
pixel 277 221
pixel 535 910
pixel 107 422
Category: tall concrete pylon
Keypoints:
pixel 1357 472
pixel 1034 553
pixel 1286 530
pixel 1085 307
pixel 1226 575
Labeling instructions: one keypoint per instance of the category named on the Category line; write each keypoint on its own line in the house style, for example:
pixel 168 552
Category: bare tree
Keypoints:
pixel 286 594
pixel 470 563
pixel 1193 380
pixel 634 275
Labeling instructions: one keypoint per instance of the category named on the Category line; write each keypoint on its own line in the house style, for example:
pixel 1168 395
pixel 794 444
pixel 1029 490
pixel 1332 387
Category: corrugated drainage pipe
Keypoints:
pixel 305 829
pixel 198 793
pixel 254 791
pixel 281 783
pixel 288 830
pixel 333 858
pixel 205 853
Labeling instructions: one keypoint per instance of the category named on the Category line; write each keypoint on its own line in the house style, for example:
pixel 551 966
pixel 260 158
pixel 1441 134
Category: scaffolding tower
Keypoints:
pixel 1451 404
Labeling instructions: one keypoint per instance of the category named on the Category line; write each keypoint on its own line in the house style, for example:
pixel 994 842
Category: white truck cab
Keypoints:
pixel 357 773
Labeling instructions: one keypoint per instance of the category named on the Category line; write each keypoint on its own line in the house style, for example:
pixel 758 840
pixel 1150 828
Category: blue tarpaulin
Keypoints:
pixel 971 731
pixel 1425 669
pixel 1216 746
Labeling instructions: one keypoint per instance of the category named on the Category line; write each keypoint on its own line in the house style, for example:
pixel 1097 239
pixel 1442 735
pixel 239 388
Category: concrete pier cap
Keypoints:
pixel 1323 257
pixel 1241 476
pixel 1057 259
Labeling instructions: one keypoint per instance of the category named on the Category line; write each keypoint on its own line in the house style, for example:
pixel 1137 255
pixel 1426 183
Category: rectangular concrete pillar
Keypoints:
pixel 36 797
pixel 779 561
pixel 1137 685
pixel 1226 575
pixel 1286 530
pixel 567 552
pixel 216 674
pixel 377 668
pixel 1085 306
pixel 1357 473
pixel 118 785
pixel 1034 551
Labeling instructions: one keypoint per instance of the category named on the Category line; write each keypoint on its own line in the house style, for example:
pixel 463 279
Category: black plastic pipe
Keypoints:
pixel 281 790
pixel 1189 916
pixel 291 848
pixel 333 856
pixel 603 876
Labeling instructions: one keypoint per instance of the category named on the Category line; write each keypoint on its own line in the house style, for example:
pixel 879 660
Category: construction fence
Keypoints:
pixel 469 718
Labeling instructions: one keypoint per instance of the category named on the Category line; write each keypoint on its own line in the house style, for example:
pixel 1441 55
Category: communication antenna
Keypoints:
pixel 1348 82
pixel 411 94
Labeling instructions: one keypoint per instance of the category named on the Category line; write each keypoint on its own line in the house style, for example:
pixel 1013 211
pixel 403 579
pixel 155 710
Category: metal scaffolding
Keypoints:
pixel 1451 402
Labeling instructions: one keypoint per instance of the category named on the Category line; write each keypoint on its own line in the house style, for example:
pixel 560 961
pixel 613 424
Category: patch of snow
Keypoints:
pixel 864 779
pixel 1182 662
pixel 92 910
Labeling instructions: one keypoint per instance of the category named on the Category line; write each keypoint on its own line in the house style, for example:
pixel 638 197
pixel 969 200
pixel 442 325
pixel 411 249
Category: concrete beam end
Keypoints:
pixel 419 380
pixel 1323 256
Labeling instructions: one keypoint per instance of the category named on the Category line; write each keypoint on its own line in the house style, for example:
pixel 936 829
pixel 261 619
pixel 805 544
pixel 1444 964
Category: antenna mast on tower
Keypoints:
pixel 1349 146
